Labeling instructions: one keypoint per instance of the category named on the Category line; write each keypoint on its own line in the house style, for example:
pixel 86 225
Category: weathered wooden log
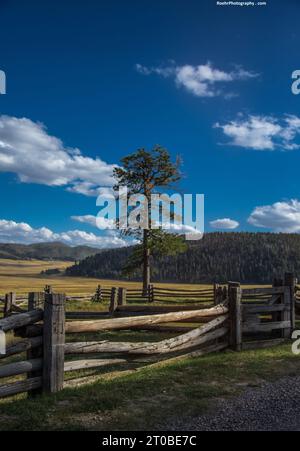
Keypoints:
pixel 191 339
pixel 193 302
pixel 182 290
pixel 266 327
pixel 22 346
pixel 35 300
pixel 20 387
pixel 201 352
pixel 76 365
pixel 186 340
pixel 235 315
pixel 193 354
pixel 87 315
pixel 264 308
pixel 127 323
pixel 183 295
pixel 290 281
pixel 21 320
pixel 26 366
pixel 152 309
pixel 53 343
pixel 262 291
pixel 164 329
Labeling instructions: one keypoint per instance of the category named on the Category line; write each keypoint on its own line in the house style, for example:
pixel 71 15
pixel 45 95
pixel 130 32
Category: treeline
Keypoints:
pixel 45 251
pixel 245 257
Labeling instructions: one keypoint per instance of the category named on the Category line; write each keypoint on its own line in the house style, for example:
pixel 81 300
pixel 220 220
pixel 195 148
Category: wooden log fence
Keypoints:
pixel 125 323
pixel 154 294
pixel 236 318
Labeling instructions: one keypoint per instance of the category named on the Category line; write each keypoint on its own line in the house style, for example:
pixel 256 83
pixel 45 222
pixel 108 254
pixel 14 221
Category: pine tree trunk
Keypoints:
pixel 146 262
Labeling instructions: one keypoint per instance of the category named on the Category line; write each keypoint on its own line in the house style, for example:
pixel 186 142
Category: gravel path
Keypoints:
pixel 271 407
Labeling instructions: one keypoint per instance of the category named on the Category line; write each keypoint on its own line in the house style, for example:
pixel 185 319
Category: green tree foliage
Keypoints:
pixel 147 172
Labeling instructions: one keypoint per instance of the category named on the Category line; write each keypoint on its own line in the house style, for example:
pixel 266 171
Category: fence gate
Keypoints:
pixel 261 316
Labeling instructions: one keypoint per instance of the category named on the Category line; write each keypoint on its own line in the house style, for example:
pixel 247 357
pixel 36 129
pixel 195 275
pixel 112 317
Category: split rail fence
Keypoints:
pixel 236 319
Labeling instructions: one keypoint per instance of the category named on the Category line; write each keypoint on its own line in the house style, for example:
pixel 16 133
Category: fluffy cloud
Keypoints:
pixel 27 150
pixel 85 219
pixel 14 232
pixel 100 222
pixel 225 223
pixel 202 81
pixel 279 217
pixel 263 132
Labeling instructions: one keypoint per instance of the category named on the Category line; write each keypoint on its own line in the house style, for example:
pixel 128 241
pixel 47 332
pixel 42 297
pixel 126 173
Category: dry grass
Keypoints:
pixel 23 276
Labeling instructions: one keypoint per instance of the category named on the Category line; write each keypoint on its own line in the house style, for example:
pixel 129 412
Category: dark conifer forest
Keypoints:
pixel 218 257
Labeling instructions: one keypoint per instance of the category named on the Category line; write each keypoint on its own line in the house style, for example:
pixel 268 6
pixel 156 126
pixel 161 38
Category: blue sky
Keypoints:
pixel 212 84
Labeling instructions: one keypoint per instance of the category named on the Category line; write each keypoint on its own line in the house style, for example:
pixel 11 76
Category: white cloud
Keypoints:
pixel 225 223
pixel 85 219
pixel 201 80
pixel 14 232
pixel 278 217
pixel 99 222
pixel 263 132
pixel 27 150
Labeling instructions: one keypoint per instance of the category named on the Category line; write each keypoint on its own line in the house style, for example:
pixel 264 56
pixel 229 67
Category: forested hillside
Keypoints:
pixel 247 257
pixel 45 251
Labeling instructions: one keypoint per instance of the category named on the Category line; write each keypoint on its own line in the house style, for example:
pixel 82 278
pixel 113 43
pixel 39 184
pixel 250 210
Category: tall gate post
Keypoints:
pixel 290 281
pixel 54 342
pixel 235 315
pixel 113 300
pixel 36 353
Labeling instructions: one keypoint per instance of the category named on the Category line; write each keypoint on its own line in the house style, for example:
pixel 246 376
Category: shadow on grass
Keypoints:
pixel 147 398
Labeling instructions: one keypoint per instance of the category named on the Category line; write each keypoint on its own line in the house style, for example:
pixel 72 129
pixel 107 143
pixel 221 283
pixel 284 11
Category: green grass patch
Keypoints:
pixel 147 398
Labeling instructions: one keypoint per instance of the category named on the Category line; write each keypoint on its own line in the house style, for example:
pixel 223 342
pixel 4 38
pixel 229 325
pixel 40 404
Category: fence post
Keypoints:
pixel 215 288
pixel 113 300
pixel 235 316
pixel 218 294
pixel 54 342
pixel 122 296
pixel 151 293
pixel 36 353
pixel 10 299
pixel 98 294
pixel 290 281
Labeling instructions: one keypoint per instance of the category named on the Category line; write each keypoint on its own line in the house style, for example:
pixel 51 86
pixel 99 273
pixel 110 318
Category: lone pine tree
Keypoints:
pixel 147 172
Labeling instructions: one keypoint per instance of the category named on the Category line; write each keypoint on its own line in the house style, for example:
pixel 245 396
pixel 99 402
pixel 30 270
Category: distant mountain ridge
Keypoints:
pixel 218 257
pixel 46 251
